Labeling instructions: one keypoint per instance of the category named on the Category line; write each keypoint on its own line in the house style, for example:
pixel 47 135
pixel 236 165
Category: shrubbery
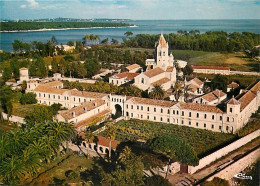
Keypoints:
pixel 249 128
pixel 28 98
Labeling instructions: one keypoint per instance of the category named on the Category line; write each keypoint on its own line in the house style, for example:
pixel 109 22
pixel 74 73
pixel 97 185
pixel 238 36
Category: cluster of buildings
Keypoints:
pixel 201 112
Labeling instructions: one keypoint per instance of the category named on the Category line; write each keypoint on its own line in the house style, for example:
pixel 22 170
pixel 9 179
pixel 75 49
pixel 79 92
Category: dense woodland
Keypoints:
pixel 213 41
pixel 11 26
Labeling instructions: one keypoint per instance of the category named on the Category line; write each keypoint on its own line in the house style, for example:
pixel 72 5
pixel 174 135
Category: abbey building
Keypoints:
pixel 159 71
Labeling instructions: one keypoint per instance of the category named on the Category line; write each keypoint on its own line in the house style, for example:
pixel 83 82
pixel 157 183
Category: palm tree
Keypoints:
pixel 60 131
pixel 177 90
pixel 85 39
pixel 89 138
pixel 157 92
pixel 186 93
pixel 110 135
pixel 11 170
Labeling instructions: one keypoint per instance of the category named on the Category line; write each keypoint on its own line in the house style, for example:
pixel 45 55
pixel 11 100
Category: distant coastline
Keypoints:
pixel 55 29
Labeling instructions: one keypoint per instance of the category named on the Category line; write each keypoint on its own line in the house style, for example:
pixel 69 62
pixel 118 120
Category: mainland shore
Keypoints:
pixel 54 29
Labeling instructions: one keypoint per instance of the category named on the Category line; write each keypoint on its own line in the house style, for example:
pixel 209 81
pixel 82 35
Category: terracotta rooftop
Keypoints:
pixel 48 89
pixel 211 96
pixel 154 102
pixel 86 94
pixel 197 81
pixel 233 85
pixel 153 72
pixel 127 75
pixel 103 141
pixel 233 101
pixel 256 87
pixel 53 83
pixel 169 69
pixel 162 41
pixel 246 99
pixel 81 109
pixel 210 67
pixel 193 87
pixel 161 81
pixel 85 122
pixel 200 107
pixel 133 66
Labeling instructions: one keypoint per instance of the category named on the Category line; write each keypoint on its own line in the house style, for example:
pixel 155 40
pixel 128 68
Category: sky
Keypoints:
pixel 130 9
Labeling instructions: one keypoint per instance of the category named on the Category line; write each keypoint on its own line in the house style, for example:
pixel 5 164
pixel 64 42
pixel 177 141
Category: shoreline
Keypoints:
pixel 56 29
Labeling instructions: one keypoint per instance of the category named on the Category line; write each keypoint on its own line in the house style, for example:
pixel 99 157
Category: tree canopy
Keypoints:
pixel 175 148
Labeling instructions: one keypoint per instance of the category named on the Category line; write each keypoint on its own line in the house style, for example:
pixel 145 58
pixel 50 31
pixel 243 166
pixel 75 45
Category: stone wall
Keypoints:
pixel 13 118
pixel 224 151
pixel 238 166
pixel 244 73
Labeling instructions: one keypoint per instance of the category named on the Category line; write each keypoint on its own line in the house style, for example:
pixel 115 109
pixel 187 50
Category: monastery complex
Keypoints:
pixel 201 112
pixel 83 105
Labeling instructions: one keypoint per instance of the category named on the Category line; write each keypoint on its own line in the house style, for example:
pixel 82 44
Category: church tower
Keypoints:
pixel 162 57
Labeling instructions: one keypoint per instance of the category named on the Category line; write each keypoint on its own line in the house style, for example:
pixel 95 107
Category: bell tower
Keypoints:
pixel 162 58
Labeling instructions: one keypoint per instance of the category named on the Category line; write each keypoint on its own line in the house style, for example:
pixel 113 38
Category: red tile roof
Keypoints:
pixel 161 81
pixel 233 85
pixel 162 41
pixel 233 101
pixel 169 69
pixel 105 142
pixel 48 89
pixel 200 107
pixel 127 75
pixel 198 81
pixel 210 67
pixel 53 83
pixel 153 72
pixel 81 109
pixel 154 102
pixel 246 99
pixel 75 92
pixel 211 96
pixel 133 66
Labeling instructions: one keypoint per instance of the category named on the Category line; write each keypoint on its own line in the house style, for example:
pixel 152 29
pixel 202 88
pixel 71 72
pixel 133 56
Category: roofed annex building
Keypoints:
pixel 84 106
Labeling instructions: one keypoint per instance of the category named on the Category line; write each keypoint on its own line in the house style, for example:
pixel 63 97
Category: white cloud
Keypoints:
pixel 23 6
pixel 31 4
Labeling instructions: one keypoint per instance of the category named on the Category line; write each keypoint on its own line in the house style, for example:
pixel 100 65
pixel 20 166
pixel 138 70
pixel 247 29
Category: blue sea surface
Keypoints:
pixel 142 27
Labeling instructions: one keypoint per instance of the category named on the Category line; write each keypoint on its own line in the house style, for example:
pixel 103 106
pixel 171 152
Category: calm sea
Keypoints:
pixel 143 26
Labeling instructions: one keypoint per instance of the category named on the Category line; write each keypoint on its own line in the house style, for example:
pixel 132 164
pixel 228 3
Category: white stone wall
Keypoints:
pixel 117 81
pixel 13 118
pixel 224 151
pixel 89 113
pixel 238 166
pixel 211 71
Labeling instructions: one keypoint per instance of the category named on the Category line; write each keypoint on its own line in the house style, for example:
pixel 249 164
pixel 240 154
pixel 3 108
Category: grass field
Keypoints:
pixel 236 61
pixel 54 172
pixel 23 110
pixel 203 141
pixel 48 59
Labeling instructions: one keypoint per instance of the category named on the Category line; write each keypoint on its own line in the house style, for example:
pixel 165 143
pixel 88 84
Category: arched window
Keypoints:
pixel 142 80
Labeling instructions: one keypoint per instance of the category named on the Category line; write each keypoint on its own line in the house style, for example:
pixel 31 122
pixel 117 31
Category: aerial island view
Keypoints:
pixel 130 92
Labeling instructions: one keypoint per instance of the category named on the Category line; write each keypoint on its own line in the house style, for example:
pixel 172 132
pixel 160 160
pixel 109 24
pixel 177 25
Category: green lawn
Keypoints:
pixel 203 141
pixel 54 173
pixel 23 110
pixel 236 61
